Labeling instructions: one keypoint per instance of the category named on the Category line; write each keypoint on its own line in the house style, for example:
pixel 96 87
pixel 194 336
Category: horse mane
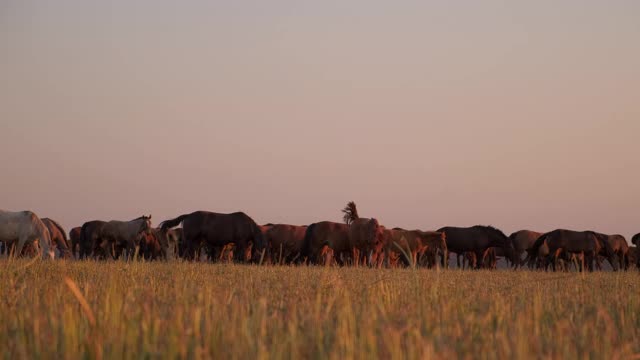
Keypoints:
pixel 64 234
pixel 493 230
pixel 350 213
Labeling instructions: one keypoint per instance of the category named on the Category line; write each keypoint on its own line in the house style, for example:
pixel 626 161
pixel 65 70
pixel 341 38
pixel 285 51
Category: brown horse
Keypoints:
pixel 326 233
pixel 408 246
pixel 151 245
pixel 58 238
pixel 284 242
pixel 621 249
pixel 363 234
pixel 217 230
pixel 619 246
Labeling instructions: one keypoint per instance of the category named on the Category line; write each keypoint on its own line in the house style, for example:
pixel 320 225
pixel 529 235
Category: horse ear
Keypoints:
pixel 149 216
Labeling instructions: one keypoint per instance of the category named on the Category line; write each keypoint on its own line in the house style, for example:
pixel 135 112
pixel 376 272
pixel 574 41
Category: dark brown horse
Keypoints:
pixel 58 238
pixel 575 242
pixel 326 233
pixel 217 230
pixel 478 239
pixel 90 243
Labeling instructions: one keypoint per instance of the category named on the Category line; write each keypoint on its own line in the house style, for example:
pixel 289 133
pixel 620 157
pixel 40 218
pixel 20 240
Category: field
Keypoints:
pixel 61 309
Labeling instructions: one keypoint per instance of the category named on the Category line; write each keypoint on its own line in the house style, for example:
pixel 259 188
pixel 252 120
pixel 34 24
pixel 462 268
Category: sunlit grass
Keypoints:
pixel 197 310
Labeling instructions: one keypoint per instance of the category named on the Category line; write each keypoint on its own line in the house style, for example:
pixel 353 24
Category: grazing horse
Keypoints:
pixel 58 238
pixel 620 248
pixel 217 230
pixel 326 233
pixel 24 228
pixel 522 241
pixel 363 234
pixel 408 247
pixel 478 239
pixel 110 239
pixel 126 234
pixel 574 242
pixel 152 245
pixel 74 237
pixel 284 242
pixel 90 242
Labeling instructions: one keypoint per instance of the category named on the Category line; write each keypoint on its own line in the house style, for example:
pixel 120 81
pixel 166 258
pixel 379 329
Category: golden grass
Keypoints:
pixel 186 310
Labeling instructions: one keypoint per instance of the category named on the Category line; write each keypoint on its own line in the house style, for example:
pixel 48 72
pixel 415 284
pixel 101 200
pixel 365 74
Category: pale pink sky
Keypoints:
pixel 426 113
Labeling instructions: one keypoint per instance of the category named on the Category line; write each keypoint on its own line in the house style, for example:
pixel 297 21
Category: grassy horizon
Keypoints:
pixel 200 310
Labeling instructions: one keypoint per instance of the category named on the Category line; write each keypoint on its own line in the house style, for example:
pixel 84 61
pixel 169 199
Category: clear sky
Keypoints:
pixel 426 113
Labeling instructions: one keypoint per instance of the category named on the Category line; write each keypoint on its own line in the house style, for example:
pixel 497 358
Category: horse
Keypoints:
pixel 363 234
pixel 576 242
pixel 90 241
pixel 620 248
pixel 217 230
pixel 408 247
pixel 126 234
pixel 326 233
pixel 478 239
pixel 58 238
pixel 109 239
pixel 522 241
pixel 24 228
pixel 284 242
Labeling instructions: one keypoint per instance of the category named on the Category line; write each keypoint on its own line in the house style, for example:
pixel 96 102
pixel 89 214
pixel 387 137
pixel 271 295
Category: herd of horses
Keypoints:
pixel 357 241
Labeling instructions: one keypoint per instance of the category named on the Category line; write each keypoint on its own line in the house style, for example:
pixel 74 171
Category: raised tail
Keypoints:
pixel 168 224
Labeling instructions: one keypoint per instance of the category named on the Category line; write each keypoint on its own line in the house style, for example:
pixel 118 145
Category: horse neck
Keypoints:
pixel 498 239
pixel 134 227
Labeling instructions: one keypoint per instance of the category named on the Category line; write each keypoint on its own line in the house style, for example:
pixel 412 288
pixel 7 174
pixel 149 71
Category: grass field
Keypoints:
pixel 185 310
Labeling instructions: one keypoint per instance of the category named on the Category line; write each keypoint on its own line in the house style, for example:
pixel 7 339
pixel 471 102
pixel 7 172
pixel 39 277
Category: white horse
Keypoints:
pixel 24 228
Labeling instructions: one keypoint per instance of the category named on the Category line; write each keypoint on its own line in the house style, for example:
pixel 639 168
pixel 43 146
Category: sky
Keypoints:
pixel 521 115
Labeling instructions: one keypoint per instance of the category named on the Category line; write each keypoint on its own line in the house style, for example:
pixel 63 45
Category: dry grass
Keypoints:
pixel 182 310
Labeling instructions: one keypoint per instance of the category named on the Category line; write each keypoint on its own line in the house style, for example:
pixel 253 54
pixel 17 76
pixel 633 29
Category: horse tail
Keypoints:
pixel 350 212
pixel 532 253
pixel 168 224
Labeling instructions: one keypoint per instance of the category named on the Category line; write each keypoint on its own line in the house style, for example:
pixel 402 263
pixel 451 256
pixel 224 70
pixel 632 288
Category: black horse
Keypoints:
pixel 217 230
pixel 477 239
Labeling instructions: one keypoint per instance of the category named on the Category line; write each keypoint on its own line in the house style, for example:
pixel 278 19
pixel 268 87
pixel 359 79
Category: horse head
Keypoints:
pixel 145 226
